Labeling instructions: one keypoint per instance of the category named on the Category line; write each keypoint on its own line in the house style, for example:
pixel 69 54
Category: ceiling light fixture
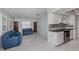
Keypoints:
pixel 74 12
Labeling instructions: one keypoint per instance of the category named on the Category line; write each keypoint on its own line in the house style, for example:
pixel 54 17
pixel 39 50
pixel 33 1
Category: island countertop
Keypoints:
pixel 59 30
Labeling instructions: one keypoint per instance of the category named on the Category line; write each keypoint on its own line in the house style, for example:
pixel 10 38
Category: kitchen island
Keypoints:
pixel 60 35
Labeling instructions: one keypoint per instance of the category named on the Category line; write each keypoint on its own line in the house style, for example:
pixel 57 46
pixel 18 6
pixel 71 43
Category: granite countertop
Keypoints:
pixel 59 30
pixel 60 27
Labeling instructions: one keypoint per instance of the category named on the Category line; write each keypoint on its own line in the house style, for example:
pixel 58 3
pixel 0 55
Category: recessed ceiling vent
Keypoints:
pixel 37 14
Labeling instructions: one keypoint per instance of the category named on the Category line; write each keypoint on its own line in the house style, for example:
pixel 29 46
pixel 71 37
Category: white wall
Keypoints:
pixel 77 22
pixel 51 20
pixel 42 25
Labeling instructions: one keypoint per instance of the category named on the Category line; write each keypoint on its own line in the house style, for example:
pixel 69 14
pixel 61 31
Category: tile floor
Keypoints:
pixel 37 43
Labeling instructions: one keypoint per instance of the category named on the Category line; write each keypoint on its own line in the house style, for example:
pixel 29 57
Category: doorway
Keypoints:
pixel 16 26
pixel 35 26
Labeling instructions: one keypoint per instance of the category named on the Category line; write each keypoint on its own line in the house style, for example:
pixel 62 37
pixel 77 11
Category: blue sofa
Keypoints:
pixel 27 31
pixel 11 39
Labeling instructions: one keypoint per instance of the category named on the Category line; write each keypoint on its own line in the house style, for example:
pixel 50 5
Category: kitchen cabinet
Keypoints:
pixel 56 38
pixel 60 37
pixel 56 19
pixel 60 19
pixel 71 34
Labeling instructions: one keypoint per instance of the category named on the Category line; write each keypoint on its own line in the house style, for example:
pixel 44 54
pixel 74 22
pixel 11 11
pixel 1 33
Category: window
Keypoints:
pixel 26 25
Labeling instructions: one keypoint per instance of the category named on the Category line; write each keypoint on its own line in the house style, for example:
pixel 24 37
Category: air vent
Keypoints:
pixel 37 14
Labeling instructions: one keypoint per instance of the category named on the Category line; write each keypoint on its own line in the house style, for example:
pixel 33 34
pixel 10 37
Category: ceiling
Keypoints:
pixel 63 11
pixel 32 12
pixel 23 12
pixel 74 11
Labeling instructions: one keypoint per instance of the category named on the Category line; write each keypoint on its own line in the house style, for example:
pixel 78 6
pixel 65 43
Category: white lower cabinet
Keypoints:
pixel 60 37
pixel 71 34
pixel 56 38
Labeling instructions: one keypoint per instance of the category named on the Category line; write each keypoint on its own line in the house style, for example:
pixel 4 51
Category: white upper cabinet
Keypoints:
pixel 60 19
pixel 56 19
